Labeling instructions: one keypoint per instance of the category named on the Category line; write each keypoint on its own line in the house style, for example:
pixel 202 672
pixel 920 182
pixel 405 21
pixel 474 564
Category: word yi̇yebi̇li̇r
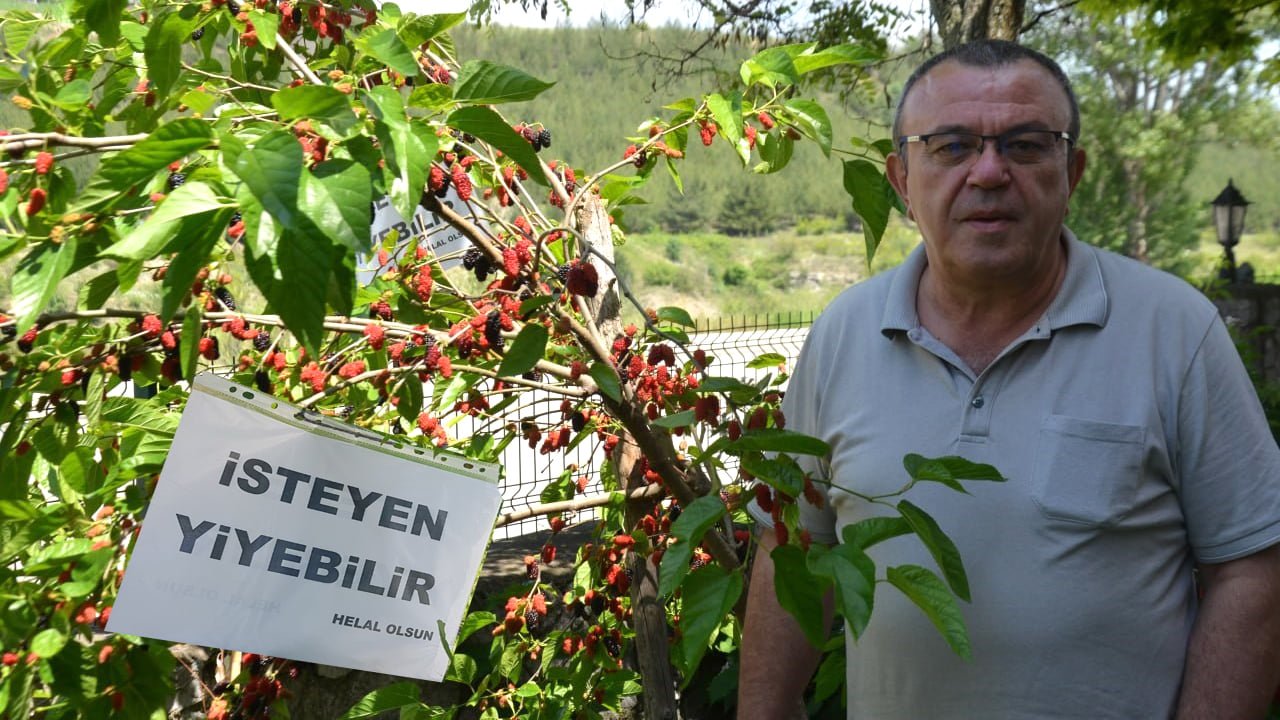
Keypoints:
pixel 324 495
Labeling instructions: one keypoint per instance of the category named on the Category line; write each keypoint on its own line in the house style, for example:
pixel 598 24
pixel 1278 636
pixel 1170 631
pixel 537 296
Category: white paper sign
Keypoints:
pixel 445 241
pixel 303 538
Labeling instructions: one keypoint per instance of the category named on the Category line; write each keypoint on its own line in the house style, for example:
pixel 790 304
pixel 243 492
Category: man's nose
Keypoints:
pixel 990 168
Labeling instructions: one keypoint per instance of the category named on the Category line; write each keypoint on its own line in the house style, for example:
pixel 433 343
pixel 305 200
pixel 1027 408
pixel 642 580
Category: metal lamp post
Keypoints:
pixel 1228 218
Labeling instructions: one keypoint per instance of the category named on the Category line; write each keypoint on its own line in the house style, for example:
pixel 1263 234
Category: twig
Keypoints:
pixel 582 503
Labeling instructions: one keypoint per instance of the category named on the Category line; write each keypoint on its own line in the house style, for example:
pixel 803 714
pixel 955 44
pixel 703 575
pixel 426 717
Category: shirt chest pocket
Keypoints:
pixel 1087 471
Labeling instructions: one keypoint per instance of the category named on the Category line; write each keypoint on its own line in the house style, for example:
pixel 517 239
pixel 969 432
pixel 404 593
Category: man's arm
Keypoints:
pixel 1233 661
pixel 777 660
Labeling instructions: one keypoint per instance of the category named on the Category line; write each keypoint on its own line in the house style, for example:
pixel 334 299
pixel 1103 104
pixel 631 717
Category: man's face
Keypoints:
pixel 988 218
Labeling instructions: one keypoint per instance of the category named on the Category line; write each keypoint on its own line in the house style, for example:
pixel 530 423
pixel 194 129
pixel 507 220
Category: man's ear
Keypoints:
pixel 895 167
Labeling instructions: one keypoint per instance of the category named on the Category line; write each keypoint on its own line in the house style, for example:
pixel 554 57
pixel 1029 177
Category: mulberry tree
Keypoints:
pixel 190 186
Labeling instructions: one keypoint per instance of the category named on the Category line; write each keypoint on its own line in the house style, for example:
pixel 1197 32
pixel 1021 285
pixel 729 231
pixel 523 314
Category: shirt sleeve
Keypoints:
pixel 1228 461
pixel 801 406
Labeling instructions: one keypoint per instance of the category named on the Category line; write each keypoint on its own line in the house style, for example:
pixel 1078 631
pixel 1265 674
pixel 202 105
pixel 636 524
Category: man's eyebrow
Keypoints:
pixel 958 128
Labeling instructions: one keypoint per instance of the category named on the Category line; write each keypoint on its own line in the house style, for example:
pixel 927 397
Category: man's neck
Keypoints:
pixel 979 320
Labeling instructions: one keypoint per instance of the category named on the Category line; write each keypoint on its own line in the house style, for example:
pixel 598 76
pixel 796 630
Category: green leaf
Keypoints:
pixel 781 472
pixel 834 55
pixel 163 50
pixel 462 668
pixel 191 341
pixel 316 102
pixel 948 468
pixel 410 398
pixel 728 115
pixel 775 150
pixel 775 440
pixel 387 48
pixel 924 589
pixel 528 690
pixel 197 237
pixel 525 352
pixel 940 546
pixel 74 95
pixel 80 471
pixel 272 171
pixel 336 197
pixel 854 575
pixel 267 25
pixel 535 303
pixel 391 697
pixel 709 594
pixel 812 120
pixel 171 141
pixel 490 127
pixel 872 530
pixel 683 418
pixel 101 15
pixel 799 591
pixel 475 621
pixel 407 153
pixel 872 200
pixel 36 279
pixel 147 240
pixel 607 380
pixel 767 360
pixel 132 412
pixel 48 642
pixel 769 68
pixel 485 83
pixel 424 27
pixel 95 293
pixel 675 315
pixel 688 529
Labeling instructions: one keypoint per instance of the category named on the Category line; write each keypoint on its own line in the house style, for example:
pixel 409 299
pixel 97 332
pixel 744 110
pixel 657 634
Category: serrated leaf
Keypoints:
pixel 407 152
pixel 534 303
pixel 387 48
pixel 525 351
pixel 866 185
pixel 770 67
pixel 391 697
pixel 781 472
pixel 48 642
pixel 163 49
pixel 607 380
pixel 767 360
pixel 271 169
pixel 728 116
pixel 147 240
pixel 73 95
pixel 853 574
pixel 171 141
pixel 491 128
pixel 101 15
pixel 688 529
pixel 681 419
pixel 486 83
pixel 813 121
pixel 267 26
pixel 80 471
pixel 708 595
pixel 95 293
pixel 316 102
pixel 409 393
pixel 949 467
pixel 474 621
pixel 775 440
pixel 141 414
pixel 775 150
pixel 191 341
pixel 336 197
pixel 939 545
pixel 676 315
pixel 36 279
pixel 835 55
pixel 872 530
pixel 425 27
pixel 924 589
pixel 197 236
pixel 799 591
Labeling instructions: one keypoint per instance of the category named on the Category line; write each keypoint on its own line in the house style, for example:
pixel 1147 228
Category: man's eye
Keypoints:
pixel 954 147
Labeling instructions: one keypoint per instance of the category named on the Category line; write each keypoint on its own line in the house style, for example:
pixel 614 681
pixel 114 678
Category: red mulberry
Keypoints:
pixel 583 279
pixel 510 261
pixel 35 202
pixel 437 181
pixel 462 183
pixel 44 163
pixel 376 336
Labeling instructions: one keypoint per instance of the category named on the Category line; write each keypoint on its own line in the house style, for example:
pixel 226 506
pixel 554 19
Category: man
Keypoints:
pixel 1110 396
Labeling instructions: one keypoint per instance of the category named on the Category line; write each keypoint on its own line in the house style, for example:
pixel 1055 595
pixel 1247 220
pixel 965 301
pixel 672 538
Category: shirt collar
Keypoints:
pixel 1082 299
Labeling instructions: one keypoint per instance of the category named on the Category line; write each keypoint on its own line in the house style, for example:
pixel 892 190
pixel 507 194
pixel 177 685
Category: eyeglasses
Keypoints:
pixel 1024 147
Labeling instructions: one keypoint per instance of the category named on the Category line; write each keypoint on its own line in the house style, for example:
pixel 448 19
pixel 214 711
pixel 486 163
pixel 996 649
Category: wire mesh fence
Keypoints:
pixel 732 343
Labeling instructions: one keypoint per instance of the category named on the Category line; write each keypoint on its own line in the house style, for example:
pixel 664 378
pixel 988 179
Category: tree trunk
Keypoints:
pixel 648 614
pixel 960 21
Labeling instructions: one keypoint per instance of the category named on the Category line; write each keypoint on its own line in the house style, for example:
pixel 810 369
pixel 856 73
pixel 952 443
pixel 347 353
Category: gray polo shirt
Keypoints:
pixel 1134 445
